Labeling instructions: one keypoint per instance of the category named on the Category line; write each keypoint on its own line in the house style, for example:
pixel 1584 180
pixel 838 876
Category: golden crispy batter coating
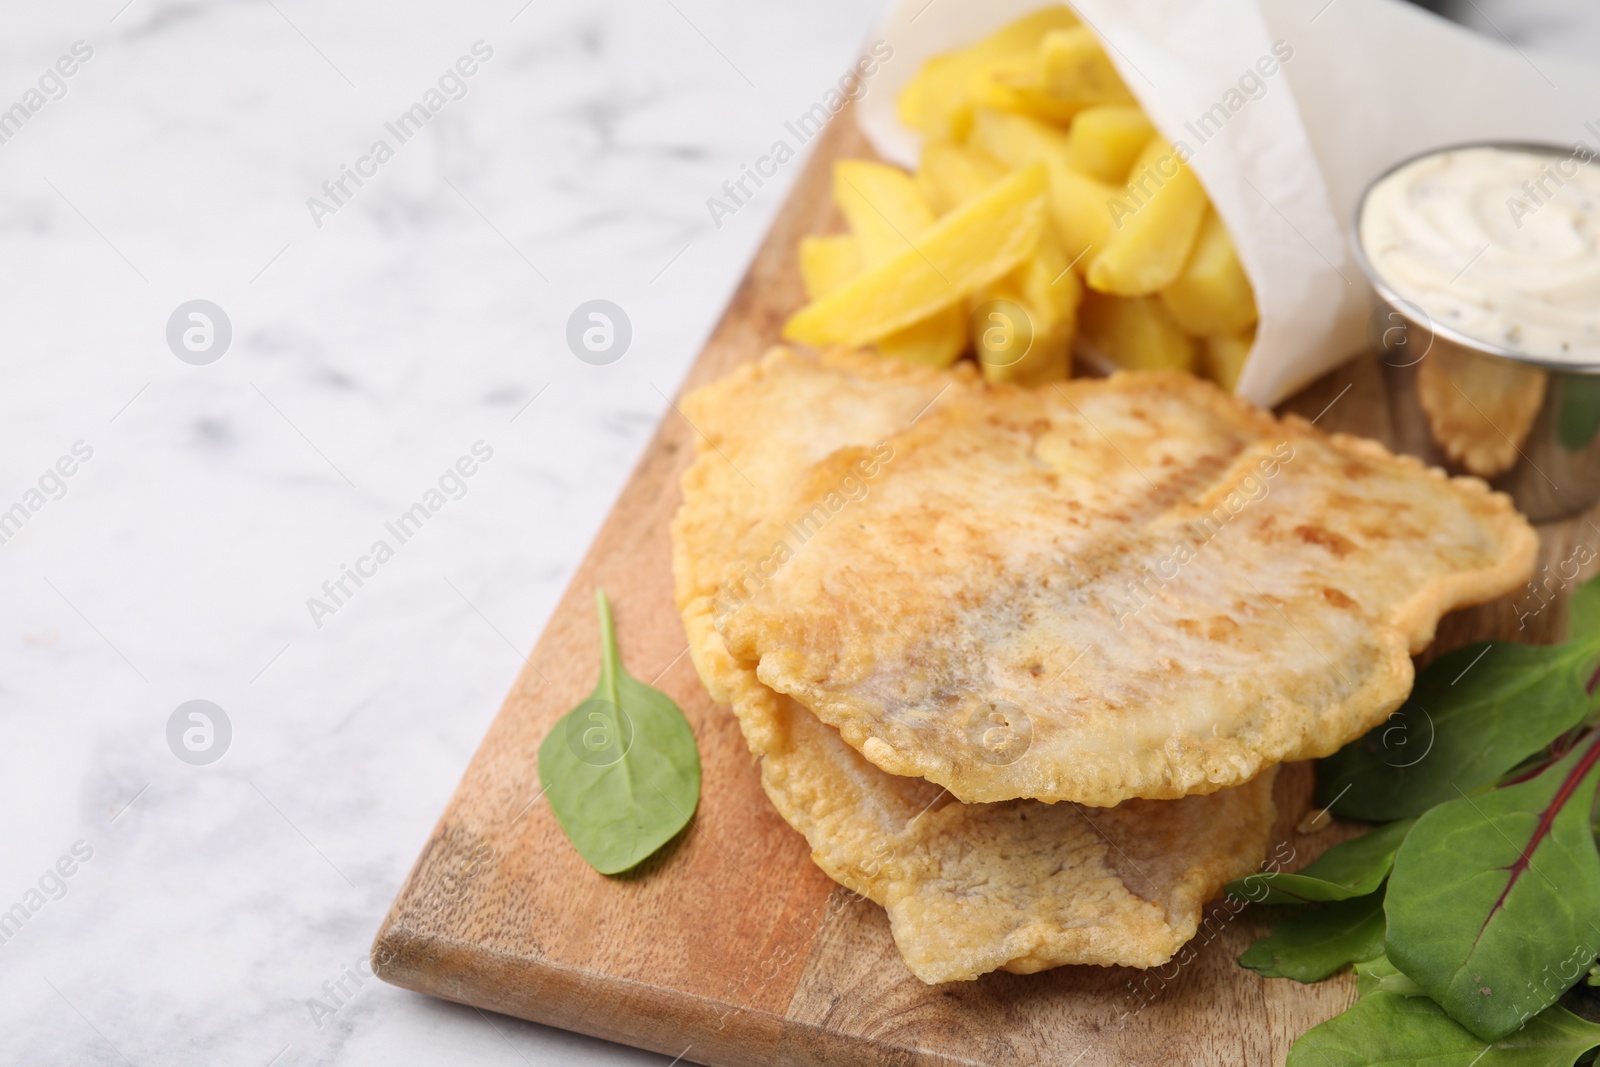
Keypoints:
pixel 1101 590
pixel 1479 410
pixel 969 888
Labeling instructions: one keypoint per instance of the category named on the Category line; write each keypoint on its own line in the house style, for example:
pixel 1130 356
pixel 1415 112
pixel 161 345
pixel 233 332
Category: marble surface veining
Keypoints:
pixel 209 907
pixel 177 518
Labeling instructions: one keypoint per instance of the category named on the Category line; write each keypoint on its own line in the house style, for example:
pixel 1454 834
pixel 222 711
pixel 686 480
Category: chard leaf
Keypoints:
pixel 1389 1030
pixel 1475 714
pixel 1309 944
pixel 621 771
pixel 1353 868
pixel 1494 901
pixel 1578 418
pixel 1583 614
pixel 1381 976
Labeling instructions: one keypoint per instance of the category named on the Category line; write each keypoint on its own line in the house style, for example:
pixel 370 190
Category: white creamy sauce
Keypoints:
pixel 1500 245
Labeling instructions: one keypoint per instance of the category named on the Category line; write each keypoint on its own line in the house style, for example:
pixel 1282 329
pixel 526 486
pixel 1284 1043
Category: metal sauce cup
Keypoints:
pixel 1529 426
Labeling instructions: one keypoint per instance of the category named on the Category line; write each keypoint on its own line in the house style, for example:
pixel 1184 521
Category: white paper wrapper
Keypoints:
pixel 1367 84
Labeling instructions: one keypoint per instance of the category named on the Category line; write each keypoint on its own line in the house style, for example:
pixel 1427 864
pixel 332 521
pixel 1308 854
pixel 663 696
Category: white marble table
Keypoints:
pixel 425 314
pixel 154 911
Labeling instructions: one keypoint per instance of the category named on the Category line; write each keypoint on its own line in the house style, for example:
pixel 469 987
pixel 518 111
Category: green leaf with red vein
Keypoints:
pixel 1492 898
pixel 1475 715
pixel 1389 1030
pixel 1583 613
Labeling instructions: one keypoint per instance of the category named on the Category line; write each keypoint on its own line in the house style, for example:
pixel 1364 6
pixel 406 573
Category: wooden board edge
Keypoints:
pixel 659 1020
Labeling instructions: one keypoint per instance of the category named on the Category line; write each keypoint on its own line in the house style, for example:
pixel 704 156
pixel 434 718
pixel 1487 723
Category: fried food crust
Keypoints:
pixel 969 888
pixel 1103 590
pixel 1479 410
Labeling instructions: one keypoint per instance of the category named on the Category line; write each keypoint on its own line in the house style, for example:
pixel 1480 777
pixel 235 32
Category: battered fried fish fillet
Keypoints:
pixel 1479 410
pixel 1020 886
pixel 1099 590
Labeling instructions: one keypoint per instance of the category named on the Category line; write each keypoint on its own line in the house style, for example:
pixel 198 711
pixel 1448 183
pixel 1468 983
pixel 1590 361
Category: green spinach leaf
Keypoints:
pixel 1475 714
pixel 1353 868
pixel 1309 944
pixel 1494 901
pixel 1381 976
pixel 621 770
pixel 1389 1030
pixel 1578 418
pixel 1583 612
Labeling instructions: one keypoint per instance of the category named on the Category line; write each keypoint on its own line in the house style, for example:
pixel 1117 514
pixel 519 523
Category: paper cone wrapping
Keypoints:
pixel 1284 155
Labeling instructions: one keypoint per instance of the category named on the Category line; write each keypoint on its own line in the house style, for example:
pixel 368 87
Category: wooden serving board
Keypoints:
pixel 730 947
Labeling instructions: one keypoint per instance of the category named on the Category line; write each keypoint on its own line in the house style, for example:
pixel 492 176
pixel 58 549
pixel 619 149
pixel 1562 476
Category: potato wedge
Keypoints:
pixel 952 174
pixel 1223 356
pixel 1154 225
pixel 938 102
pixel 883 207
pixel 1213 294
pixel 1013 85
pixel 1018 140
pixel 1105 141
pixel 1047 357
pixel 887 214
pixel 936 341
pixel 1136 333
pixel 1080 206
pixel 970 247
pixel 1050 288
pixel 1047 293
pixel 1073 68
pixel 826 263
